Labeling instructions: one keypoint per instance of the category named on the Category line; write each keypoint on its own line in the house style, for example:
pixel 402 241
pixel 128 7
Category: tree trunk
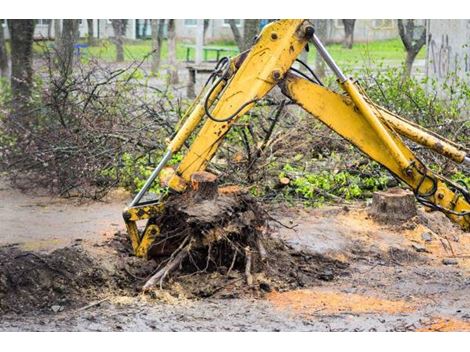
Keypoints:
pixel 91 33
pixel 57 32
pixel 21 34
pixel 410 58
pixel 250 31
pixel 172 61
pixel 206 27
pixel 413 43
pixel 157 35
pixel 348 33
pixel 49 30
pixel 236 34
pixel 119 27
pixel 144 28
pixel 3 54
pixel 66 49
pixel 321 30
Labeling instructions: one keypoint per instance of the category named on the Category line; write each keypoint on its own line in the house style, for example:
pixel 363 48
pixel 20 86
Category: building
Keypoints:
pixel 219 29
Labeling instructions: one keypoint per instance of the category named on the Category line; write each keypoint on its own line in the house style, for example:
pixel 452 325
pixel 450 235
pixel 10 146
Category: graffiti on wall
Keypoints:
pixel 444 60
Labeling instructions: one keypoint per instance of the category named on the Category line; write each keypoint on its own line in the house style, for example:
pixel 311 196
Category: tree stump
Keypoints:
pixel 204 186
pixel 393 207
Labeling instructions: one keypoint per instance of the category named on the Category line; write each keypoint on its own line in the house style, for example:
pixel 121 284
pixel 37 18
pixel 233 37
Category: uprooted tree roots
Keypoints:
pixel 209 229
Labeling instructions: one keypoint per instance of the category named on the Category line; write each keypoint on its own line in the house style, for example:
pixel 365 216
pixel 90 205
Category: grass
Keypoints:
pixel 388 51
pixel 138 50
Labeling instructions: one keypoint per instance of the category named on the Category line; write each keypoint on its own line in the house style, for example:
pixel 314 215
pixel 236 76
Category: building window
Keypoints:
pixel 339 23
pixel 238 22
pixel 44 22
pixel 382 23
pixel 190 22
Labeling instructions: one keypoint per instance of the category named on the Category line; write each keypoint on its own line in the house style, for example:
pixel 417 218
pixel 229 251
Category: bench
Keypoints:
pixel 193 70
pixel 219 52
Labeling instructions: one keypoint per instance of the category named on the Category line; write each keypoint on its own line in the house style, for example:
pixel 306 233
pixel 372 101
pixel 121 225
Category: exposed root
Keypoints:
pixel 173 264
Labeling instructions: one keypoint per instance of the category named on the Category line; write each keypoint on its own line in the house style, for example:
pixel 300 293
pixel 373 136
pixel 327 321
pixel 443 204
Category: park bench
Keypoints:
pixel 219 52
pixel 193 70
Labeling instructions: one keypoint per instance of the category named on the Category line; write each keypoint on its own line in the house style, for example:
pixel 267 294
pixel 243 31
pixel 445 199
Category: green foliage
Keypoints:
pixel 133 171
pixel 317 187
pixel 460 177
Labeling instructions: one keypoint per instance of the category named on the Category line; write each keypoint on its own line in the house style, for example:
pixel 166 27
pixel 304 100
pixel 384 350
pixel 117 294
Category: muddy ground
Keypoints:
pixel 334 269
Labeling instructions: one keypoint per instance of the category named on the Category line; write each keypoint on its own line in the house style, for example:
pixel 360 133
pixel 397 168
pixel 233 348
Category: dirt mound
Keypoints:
pixel 51 281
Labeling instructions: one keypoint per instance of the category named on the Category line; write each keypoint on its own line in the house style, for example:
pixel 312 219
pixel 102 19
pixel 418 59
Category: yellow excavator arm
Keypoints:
pixel 240 82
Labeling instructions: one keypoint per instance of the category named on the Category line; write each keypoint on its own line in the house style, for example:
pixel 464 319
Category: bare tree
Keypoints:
pixel 157 36
pixel 49 29
pixel 57 32
pixel 348 33
pixel 206 27
pixel 236 33
pixel 21 34
pixel 119 27
pixel 250 31
pixel 145 27
pixel 172 62
pixel 413 37
pixel 65 50
pixel 3 54
pixel 321 30
pixel 91 32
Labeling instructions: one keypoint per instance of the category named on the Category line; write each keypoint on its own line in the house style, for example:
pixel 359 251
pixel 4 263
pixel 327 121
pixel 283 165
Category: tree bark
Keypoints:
pixel 21 34
pixel 49 30
pixel 172 61
pixel 206 27
pixel 250 31
pixel 91 32
pixel 119 28
pixel 144 28
pixel 204 186
pixel 413 44
pixel 394 206
pixel 65 52
pixel 236 34
pixel 321 30
pixel 348 33
pixel 157 36
pixel 57 32
pixel 3 54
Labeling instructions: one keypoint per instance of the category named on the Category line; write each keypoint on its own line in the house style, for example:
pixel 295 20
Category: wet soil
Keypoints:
pixel 333 269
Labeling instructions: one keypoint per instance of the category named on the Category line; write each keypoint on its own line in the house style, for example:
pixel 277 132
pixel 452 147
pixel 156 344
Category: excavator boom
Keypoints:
pixel 242 81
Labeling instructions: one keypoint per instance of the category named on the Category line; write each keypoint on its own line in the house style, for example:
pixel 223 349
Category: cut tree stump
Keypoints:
pixel 204 185
pixel 393 207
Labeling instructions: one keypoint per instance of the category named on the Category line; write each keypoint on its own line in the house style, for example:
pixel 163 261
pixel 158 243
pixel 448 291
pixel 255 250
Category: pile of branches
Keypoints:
pixel 84 118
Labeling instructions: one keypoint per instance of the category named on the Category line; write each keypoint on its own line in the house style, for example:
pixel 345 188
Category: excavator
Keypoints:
pixel 238 83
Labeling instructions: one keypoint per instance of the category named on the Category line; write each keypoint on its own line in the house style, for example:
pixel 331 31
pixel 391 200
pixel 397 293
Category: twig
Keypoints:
pixel 249 277
pixel 93 304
